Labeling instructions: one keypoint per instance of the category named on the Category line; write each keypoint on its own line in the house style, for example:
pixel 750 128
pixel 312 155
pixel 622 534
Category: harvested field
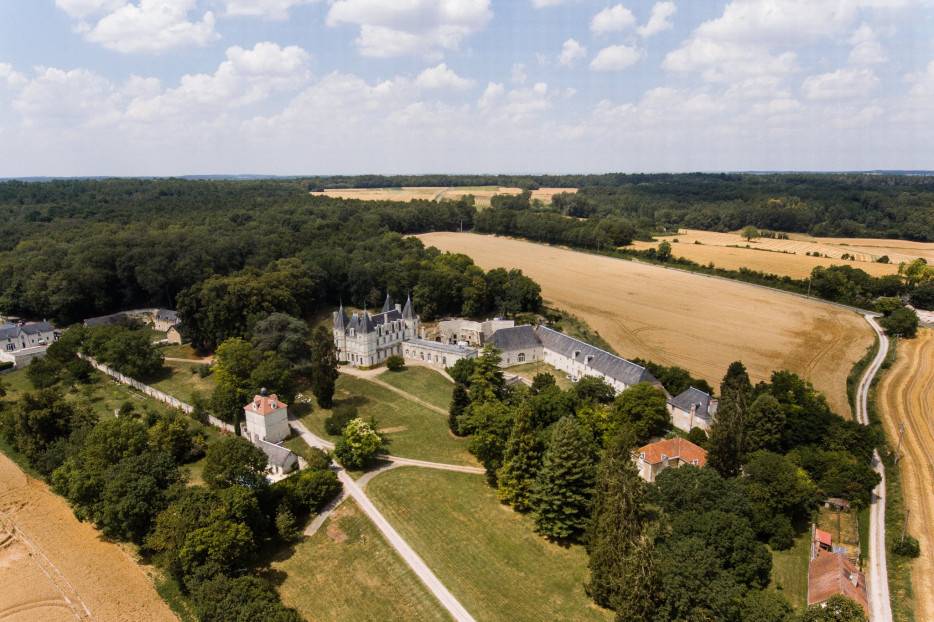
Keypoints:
pixel 678 318
pixel 906 397
pixel 482 194
pixel 54 567
pixel 787 257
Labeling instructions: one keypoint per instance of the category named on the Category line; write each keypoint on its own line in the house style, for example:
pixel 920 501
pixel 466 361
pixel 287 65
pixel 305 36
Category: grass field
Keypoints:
pixel 423 383
pixel 179 351
pixel 790 571
pixel 676 318
pixel 530 370
pixel 486 554
pixel 482 194
pixel 413 431
pixel 346 572
pixel 787 257
pixel 905 396
pixel 182 381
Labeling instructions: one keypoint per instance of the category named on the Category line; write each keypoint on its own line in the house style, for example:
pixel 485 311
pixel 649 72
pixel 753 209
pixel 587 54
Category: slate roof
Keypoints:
pixel 607 364
pixel 276 454
pixel 686 399
pixel 516 338
pixel 340 318
pixel 8 331
pixel 441 347
pixel 832 573
pixel 106 320
pixel 166 315
pixel 389 305
pixel 408 311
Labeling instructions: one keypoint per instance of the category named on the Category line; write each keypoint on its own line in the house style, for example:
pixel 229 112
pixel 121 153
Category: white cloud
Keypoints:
pixel 659 20
pixel 541 4
pixel 612 19
pixel 518 75
pixel 426 27
pixel 615 58
pixel 571 52
pixel 840 84
pixel 442 77
pixel 148 26
pixel 75 98
pixel 866 47
pixel 269 9
pixel 493 92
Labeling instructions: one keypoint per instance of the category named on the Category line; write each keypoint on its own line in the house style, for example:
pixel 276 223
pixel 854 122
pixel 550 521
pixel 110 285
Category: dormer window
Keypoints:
pixel 588 358
pixel 577 353
pixel 664 457
pixel 642 456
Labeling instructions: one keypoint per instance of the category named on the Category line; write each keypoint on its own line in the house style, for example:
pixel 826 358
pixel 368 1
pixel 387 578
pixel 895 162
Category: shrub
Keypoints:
pixel 395 363
pixel 698 436
pixel 203 370
pixel 883 259
pixel 286 525
pixel 358 444
pixel 908 547
pixel 922 296
pixel 901 322
pixel 343 414
pixel 5 365
pixel 783 537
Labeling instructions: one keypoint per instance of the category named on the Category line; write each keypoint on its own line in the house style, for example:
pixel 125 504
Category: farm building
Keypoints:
pixel 830 574
pixel 692 408
pixel 20 343
pixel 281 460
pixel 654 458
pixel 164 319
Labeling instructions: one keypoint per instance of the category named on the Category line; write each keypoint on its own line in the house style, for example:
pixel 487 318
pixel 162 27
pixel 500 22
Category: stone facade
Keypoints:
pixel 267 419
pixel 21 343
pixel 365 340
pixel 692 409
pixel 470 332
pixel 435 353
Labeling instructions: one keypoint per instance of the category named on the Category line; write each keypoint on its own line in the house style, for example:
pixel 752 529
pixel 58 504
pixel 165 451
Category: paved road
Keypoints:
pixel 421 569
pixel 879 602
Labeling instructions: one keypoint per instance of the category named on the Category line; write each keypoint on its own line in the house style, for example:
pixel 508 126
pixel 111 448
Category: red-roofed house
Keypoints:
pixel 654 458
pixel 823 539
pixel 267 418
pixel 830 574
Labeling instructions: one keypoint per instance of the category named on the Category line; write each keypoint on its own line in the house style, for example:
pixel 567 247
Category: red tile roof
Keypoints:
pixel 832 573
pixel 265 404
pixel 673 448
pixel 823 537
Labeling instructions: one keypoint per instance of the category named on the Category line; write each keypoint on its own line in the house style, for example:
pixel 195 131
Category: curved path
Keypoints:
pixel 409 556
pixel 879 602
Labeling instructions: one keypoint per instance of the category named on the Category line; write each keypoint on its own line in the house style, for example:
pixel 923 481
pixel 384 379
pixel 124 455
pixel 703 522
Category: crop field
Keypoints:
pixel 346 572
pixel 905 396
pixel 787 257
pixel 55 568
pixel 482 194
pixel 486 554
pixel 677 318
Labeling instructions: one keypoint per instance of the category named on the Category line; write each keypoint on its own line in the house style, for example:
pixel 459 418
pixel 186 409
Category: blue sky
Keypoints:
pixel 162 87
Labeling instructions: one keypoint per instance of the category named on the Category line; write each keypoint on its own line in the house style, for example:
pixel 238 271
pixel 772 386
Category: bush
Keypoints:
pixel 203 370
pixel 783 537
pixel 908 547
pixel 395 363
pixel 286 525
pixel 343 414
pixel 901 323
pixel 5 365
pixel 698 436
pixel 922 297
pixel 358 444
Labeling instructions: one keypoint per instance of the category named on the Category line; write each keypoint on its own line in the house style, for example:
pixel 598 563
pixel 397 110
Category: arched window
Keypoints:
pixel 522 357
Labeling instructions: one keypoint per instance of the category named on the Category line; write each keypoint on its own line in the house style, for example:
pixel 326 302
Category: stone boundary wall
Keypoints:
pixel 154 393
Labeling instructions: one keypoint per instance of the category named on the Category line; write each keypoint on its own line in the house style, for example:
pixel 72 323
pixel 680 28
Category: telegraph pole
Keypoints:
pixel 898 449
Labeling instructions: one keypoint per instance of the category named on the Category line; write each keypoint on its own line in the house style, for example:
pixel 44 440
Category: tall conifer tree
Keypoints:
pixel 563 490
pixel 521 462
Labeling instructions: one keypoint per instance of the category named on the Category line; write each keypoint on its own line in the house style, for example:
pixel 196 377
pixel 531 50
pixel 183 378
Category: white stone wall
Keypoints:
pixel 432 356
pixel 685 420
pixel 577 369
pixel 273 427
pixel 373 348
pixel 523 356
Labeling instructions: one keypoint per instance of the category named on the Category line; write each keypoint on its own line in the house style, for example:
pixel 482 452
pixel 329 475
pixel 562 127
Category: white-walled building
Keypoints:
pixel 435 353
pixel 692 408
pixel 366 340
pixel 470 332
pixel 20 343
pixel 267 419
pixel 654 458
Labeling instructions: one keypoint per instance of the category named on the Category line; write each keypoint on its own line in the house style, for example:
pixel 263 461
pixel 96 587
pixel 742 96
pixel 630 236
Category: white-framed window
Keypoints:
pixel 521 357
pixel 9 347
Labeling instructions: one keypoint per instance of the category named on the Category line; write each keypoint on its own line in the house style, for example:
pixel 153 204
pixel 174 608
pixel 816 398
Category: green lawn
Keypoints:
pixel 486 554
pixel 413 431
pixel 530 370
pixel 179 351
pixel 423 383
pixel 346 572
pixel 790 571
pixel 182 381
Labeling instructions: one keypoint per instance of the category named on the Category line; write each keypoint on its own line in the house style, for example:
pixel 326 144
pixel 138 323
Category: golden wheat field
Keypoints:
pixel 678 318
pixel 482 194
pixel 906 397
pixel 787 257
pixel 54 568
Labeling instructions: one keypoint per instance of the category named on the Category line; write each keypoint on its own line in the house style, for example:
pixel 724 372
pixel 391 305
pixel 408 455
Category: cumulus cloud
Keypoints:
pixel 425 27
pixel 269 9
pixel 442 77
pixel 148 26
pixel 866 47
pixel 615 58
pixel 74 98
pixel 571 52
pixel 659 20
pixel 491 94
pixel 612 19
pixel 843 83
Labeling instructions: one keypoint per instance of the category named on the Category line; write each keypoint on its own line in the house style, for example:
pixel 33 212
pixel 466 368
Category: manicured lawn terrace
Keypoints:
pixel 486 554
pixel 413 431
pixel 790 571
pixel 346 572
pixel 423 383
pixel 530 370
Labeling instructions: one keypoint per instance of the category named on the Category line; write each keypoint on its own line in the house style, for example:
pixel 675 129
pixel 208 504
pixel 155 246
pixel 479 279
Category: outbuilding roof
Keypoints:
pixel 265 404
pixel 690 398
pixel 166 315
pixel 833 573
pixel 609 365
pixel 515 338
pixel 9 331
pixel 437 346
pixel 277 455
pixel 673 449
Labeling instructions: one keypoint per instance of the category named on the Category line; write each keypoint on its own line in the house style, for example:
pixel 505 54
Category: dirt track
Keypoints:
pixel 55 568
pixel 677 318
pixel 906 396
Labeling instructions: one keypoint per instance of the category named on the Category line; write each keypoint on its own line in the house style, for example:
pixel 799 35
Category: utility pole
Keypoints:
pixel 809 287
pixel 905 525
pixel 898 449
